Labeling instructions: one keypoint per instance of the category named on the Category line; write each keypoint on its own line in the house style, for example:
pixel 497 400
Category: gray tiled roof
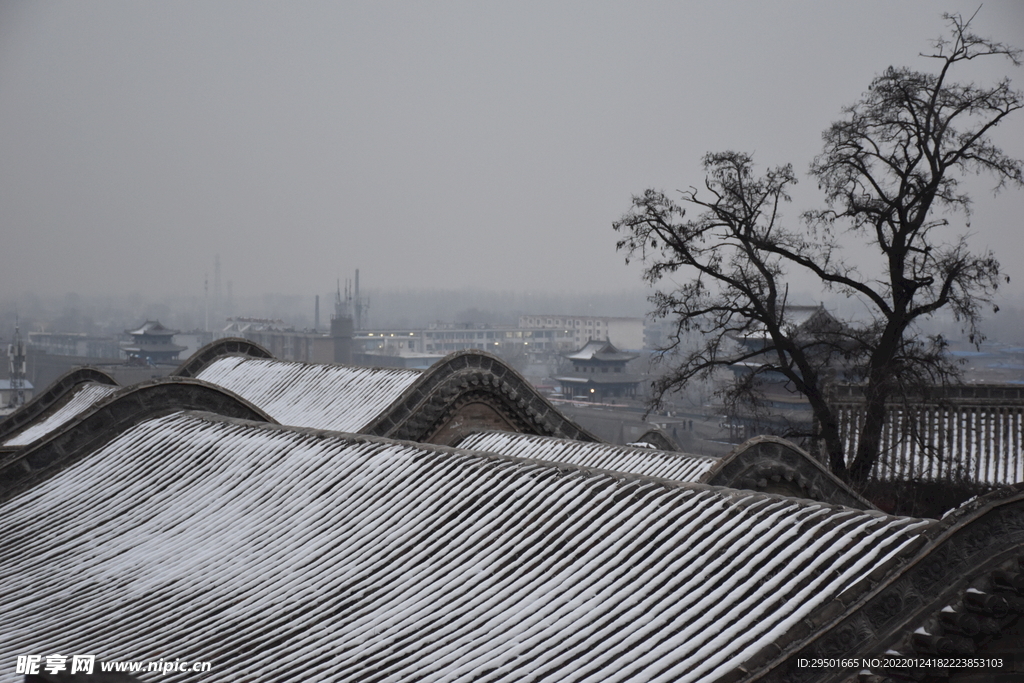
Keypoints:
pixel 335 397
pixel 82 397
pixel 281 554
pixel 634 460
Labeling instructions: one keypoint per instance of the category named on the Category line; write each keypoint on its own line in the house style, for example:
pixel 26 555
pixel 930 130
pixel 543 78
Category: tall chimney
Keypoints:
pixel 358 304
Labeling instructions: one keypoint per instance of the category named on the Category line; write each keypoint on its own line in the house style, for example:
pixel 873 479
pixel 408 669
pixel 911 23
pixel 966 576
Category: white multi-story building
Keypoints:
pixel 624 333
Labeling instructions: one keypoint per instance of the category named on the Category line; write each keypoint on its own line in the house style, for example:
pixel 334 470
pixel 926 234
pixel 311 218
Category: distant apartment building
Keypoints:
pixel 444 338
pixel 624 333
pixel 74 344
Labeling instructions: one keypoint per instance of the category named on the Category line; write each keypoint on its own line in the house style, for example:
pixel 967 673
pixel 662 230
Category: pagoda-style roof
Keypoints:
pixel 152 328
pixel 799 320
pixel 600 380
pixel 601 350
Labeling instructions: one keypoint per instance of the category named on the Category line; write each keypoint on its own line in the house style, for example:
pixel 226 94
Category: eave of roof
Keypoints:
pixel 612 378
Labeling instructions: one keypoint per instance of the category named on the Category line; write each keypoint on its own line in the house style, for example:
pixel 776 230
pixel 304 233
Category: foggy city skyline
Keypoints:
pixel 439 147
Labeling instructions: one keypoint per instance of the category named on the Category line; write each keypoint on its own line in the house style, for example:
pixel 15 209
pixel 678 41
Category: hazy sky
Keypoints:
pixel 434 144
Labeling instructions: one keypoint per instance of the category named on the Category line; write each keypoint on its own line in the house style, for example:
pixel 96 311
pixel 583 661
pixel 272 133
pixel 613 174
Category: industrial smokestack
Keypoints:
pixel 316 314
pixel 358 304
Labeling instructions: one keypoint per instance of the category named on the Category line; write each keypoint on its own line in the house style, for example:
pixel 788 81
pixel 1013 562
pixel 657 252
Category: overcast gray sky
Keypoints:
pixel 437 144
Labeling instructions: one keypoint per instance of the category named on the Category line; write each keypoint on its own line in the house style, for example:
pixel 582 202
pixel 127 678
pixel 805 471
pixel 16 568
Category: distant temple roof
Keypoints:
pixel 601 351
pixel 152 328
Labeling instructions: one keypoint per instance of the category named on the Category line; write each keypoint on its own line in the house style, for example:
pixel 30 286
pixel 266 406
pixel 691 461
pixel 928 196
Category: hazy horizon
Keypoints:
pixel 440 146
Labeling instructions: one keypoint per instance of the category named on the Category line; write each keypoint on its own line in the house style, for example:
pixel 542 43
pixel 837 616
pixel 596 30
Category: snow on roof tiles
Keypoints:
pixel 634 460
pixel 335 397
pixel 278 554
pixel 600 350
pixel 84 396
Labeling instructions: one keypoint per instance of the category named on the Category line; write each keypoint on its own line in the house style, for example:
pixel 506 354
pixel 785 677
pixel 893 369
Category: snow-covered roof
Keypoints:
pixel 797 320
pixel 335 397
pixel 275 554
pixel 152 327
pixel 645 461
pixel 596 349
pixel 81 398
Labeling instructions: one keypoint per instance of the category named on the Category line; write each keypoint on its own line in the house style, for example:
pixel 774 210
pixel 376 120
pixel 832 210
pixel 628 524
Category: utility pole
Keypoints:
pixel 16 355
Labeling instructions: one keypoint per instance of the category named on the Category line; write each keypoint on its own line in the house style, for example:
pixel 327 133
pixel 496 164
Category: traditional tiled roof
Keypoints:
pixel 80 399
pixel 152 327
pixel 763 463
pixel 104 419
pixel 596 349
pixel 279 554
pixel 65 389
pixel 635 460
pixel 228 346
pixel 431 408
pixel 438 405
pixel 337 397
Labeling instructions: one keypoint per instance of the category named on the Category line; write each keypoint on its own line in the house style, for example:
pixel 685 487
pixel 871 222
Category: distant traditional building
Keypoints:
pixel 598 373
pixel 787 409
pixel 152 344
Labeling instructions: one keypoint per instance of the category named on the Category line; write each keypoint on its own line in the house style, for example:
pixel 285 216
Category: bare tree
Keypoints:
pixel 890 171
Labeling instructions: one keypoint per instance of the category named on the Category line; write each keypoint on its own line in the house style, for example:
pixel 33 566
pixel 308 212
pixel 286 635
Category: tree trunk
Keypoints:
pixel 828 428
pixel 833 445
pixel 870 438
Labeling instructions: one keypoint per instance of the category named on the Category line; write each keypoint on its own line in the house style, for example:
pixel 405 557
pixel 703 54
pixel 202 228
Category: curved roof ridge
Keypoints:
pixel 325 396
pixel 108 417
pixel 461 377
pixel 757 461
pixel 45 401
pixel 228 346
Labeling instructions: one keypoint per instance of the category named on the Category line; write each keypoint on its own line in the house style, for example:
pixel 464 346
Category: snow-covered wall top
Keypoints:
pixel 278 555
pixel 635 460
pixel 83 397
pixel 336 397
